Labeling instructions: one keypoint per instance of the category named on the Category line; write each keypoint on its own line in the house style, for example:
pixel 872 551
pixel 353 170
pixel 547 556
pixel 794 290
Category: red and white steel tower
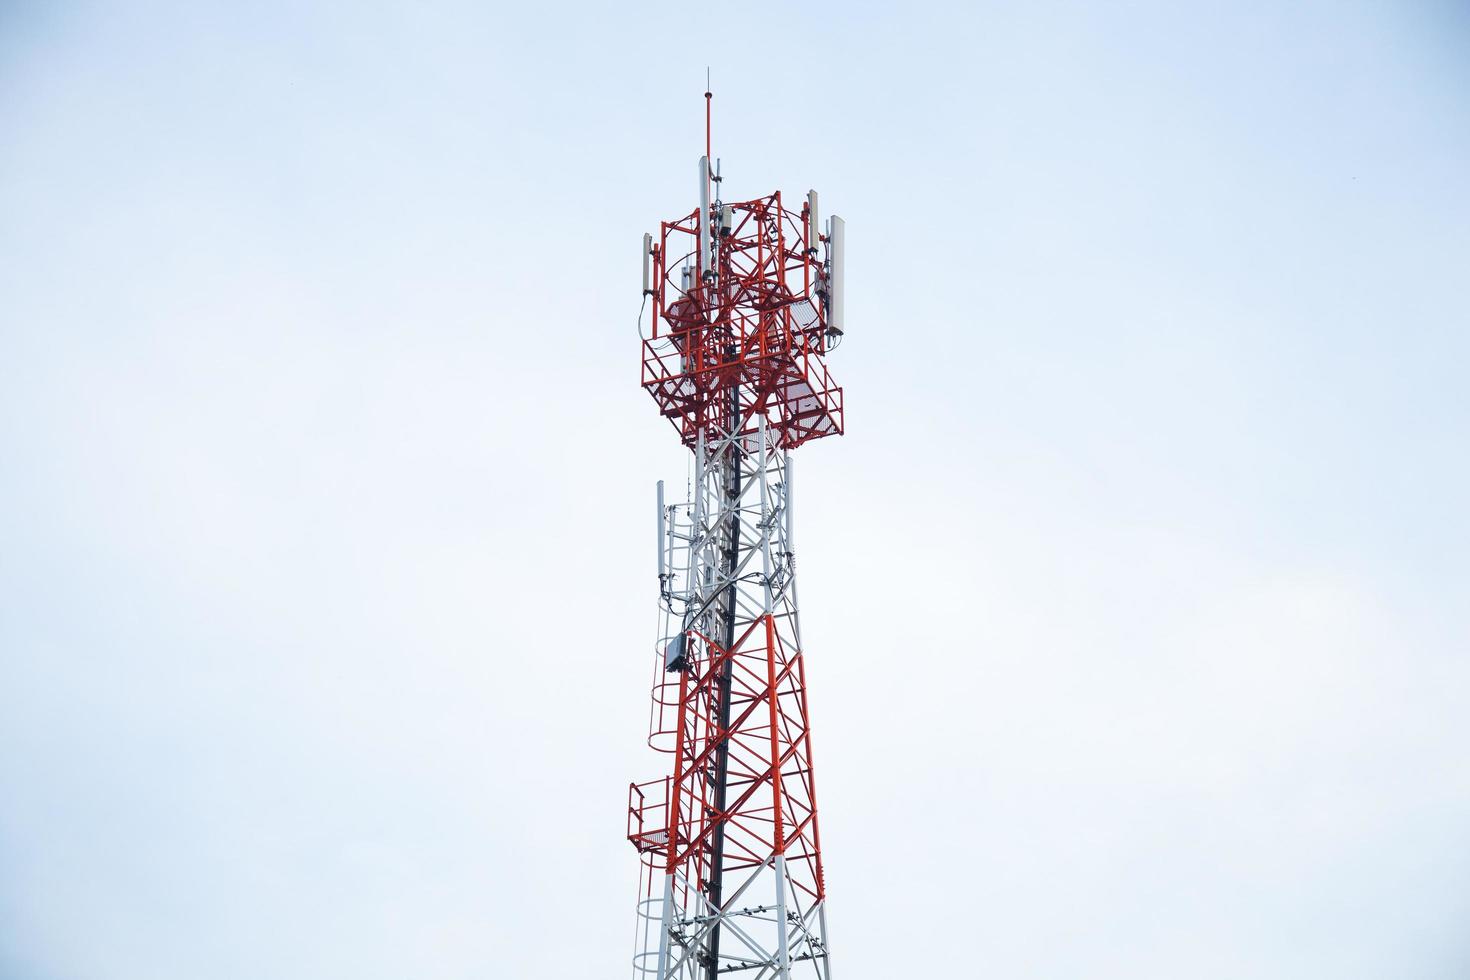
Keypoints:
pixel 746 305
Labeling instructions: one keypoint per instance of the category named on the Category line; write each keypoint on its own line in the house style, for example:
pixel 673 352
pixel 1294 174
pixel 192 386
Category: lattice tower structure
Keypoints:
pixel 746 305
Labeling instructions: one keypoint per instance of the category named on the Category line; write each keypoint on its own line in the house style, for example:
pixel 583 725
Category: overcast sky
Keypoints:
pixel 1137 595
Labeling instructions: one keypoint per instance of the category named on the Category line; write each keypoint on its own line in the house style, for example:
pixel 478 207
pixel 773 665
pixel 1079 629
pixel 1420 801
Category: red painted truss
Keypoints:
pixel 770 806
pixel 751 324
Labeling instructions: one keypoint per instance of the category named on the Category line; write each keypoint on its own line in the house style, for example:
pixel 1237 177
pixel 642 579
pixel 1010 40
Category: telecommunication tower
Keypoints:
pixel 747 302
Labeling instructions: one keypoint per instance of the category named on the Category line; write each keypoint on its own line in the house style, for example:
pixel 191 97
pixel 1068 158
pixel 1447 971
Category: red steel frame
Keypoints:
pixel 755 327
pixel 775 810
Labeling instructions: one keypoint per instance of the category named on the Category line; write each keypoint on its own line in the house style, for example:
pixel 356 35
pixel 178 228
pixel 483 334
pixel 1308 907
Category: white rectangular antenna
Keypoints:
pixel 835 254
pixel 706 265
pixel 647 255
pixel 661 516
pixel 814 227
pixel 787 461
pixel 699 491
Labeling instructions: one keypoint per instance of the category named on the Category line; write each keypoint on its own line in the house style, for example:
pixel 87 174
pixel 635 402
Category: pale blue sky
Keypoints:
pixel 1136 595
